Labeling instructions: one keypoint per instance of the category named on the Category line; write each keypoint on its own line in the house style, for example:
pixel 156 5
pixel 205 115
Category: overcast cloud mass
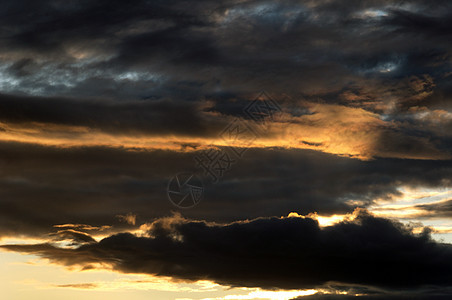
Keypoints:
pixel 345 188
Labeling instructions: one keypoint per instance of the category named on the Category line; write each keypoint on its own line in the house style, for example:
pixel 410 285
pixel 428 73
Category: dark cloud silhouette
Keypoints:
pixel 194 48
pixel 45 186
pixel 283 253
pixel 135 118
pixel 160 59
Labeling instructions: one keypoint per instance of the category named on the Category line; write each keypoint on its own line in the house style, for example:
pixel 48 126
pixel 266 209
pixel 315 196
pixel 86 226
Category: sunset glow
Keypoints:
pixel 225 150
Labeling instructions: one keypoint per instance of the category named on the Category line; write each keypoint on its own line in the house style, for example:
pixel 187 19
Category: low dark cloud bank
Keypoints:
pixel 288 253
pixel 42 186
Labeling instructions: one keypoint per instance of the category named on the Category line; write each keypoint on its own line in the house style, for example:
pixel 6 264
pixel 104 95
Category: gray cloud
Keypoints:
pixel 271 253
pixel 164 68
pixel 45 186
pixel 235 46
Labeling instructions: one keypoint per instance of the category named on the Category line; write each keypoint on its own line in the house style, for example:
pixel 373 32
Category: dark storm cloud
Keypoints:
pixel 284 253
pixel 415 134
pixel 168 68
pixel 44 186
pixel 383 56
pixel 158 117
pixel 55 23
pixel 233 46
pixel 63 46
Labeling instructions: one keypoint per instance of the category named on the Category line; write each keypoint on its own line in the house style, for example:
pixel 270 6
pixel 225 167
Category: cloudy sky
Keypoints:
pixel 231 149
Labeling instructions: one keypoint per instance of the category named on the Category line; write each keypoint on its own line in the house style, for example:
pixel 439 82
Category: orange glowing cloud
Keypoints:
pixel 335 129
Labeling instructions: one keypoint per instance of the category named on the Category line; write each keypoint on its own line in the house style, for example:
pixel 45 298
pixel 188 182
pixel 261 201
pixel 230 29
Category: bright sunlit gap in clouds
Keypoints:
pixel 411 207
pixel 264 295
pixel 407 207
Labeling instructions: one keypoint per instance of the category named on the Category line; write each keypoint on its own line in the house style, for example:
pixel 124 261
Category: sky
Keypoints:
pixel 230 149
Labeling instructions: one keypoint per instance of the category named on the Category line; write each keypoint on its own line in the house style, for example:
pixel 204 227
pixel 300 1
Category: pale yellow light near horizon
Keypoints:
pixel 26 277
